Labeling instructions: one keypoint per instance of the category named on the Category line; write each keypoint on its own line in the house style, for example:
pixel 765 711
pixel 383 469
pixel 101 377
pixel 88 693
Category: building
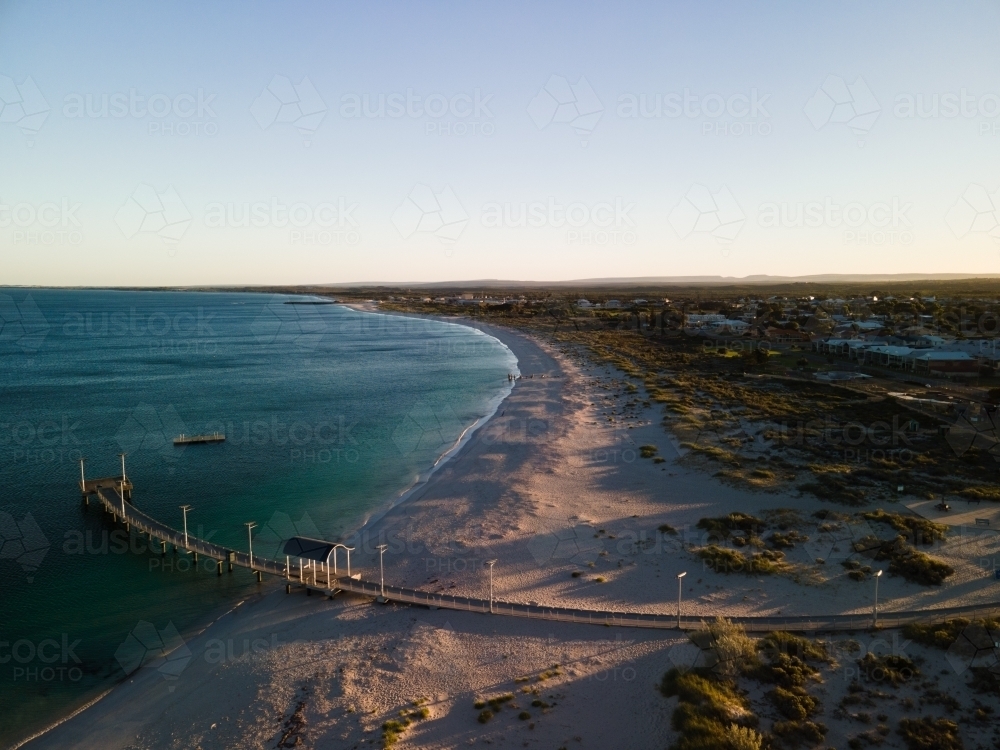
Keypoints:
pixel 946 364
pixel 697 321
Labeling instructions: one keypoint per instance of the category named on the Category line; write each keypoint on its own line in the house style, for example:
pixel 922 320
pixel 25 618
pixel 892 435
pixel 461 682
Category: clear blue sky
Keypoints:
pixel 95 194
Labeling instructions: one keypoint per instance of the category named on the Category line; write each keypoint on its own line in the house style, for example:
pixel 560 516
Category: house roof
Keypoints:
pixel 940 355
pixel 308 549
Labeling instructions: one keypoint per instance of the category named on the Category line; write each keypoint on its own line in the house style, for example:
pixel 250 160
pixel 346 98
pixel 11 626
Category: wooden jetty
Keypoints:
pixel 215 437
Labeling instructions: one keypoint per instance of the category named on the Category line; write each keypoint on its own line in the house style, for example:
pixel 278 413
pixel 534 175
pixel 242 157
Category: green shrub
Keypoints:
pixel 927 733
pixel 484 716
pixel 940 635
pixel 784 670
pixel 981 492
pixel 706 710
pixel 923 531
pixel 735 652
pixel 497 703
pixel 795 733
pixel 984 681
pixel 724 560
pixel 391 730
pixel 666 528
pixel 905 561
pixel 891 668
pixel 786 539
pixel 524 716
pixel 836 490
pixel 793 703
pixel 920 567
pixel 781 642
pixel 725 525
pixel 648 451
pixel 743 738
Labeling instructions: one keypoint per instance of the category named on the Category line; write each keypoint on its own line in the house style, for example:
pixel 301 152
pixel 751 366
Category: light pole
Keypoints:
pixel 83 479
pixel 184 510
pixel 491 563
pixel 250 526
pixel 878 574
pixel 122 455
pixel 381 570
pixel 679 586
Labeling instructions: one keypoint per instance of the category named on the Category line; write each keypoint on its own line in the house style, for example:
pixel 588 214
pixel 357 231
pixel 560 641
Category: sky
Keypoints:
pixel 296 142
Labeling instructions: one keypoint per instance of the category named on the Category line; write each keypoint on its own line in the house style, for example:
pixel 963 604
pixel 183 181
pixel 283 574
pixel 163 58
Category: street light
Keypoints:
pixel 122 455
pixel 381 571
pixel 491 563
pixel 878 574
pixel 250 526
pixel 184 510
pixel 679 585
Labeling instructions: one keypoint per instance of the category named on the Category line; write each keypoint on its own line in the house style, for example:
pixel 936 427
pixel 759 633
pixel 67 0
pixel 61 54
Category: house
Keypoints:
pixel 782 336
pixel 583 303
pixel 869 325
pixel 888 356
pixel 946 364
pixel 612 304
pixel 697 321
pixel 733 326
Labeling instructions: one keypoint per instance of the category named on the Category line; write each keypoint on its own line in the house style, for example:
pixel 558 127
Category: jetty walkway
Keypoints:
pixel 114 495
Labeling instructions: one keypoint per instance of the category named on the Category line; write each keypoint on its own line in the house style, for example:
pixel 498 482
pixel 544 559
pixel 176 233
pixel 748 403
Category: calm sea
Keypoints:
pixel 328 415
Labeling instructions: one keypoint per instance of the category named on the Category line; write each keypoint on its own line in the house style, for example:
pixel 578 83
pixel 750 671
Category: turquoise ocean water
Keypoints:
pixel 328 414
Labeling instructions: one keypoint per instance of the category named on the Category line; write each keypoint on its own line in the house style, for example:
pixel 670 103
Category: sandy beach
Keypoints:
pixel 553 485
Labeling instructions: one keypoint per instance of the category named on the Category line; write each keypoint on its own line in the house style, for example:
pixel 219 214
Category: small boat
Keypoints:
pixel 215 437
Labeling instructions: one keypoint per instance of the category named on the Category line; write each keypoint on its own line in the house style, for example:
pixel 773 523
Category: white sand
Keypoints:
pixel 549 486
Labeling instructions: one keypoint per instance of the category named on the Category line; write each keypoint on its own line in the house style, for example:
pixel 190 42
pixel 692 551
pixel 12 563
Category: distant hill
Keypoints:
pixel 646 281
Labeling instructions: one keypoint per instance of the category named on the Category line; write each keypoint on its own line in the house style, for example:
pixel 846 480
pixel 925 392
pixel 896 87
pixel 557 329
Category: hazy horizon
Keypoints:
pixel 304 144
